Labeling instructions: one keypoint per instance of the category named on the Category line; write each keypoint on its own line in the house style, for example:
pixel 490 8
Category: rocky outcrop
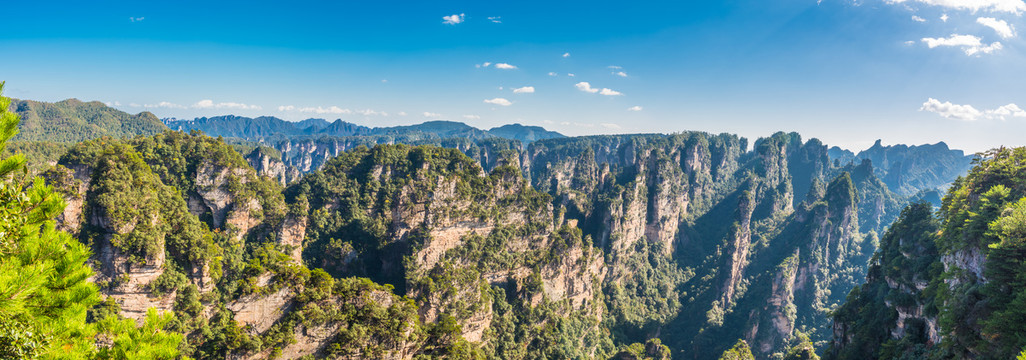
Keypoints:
pixel 267 162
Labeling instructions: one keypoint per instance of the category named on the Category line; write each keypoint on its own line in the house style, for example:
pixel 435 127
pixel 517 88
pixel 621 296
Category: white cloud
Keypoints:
pixel 495 19
pixel 969 43
pixel 209 104
pixel 615 67
pixel 585 87
pixel 1006 110
pixel 1010 6
pixel 369 112
pixel 114 103
pixel 327 110
pixel 432 115
pixel 553 74
pixel 610 126
pixel 620 74
pixel 165 105
pixel 471 117
pixel 504 66
pixel 524 90
pixel 402 113
pixel 944 17
pixel 485 64
pixel 969 113
pixel 910 43
pixel 134 105
pixel 498 101
pixel 1000 26
pixel 286 108
pixel 566 55
pixel 235 105
pixel 570 74
pixel 918 19
pixel 634 108
pixel 453 19
pixel 137 19
pixel 951 111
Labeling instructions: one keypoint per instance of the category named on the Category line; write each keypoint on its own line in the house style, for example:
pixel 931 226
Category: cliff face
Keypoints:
pixel 431 223
pixel 310 154
pixel 946 286
pixel 688 238
pixel 267 162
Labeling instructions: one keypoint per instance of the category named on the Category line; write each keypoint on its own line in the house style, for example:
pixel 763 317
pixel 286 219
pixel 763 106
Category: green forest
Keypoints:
pixel 134 241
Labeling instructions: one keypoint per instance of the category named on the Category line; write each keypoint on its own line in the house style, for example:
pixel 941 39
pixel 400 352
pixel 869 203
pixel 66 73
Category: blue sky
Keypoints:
pixel 912 71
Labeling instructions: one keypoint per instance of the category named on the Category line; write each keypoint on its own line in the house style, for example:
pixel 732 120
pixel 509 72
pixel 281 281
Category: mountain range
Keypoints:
pixel 270 238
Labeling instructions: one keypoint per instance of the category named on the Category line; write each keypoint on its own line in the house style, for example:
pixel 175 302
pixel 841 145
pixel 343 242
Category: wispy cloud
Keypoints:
pixel 1000 26
pixel 369 112
pixel 498 101
pixel 1007 110
pixel 566 55
pixel 209 104
pixel 471 117
pixel 969 113
pixel 1009 6
pixel 325 110
pixel 970 44
pixel 495 19
pixel 918 19
pixel 524 90
pixel 553 74
pixel 164 105
pixel 432 115
pixel 610 126
pixel 453 19
pixel 620 74
pixel 634 108
pixel 136 19
pixel 505 66
pixel 481 65
pixel 585 87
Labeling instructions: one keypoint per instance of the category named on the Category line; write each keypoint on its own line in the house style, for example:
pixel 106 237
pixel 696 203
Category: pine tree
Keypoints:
pixel 44 287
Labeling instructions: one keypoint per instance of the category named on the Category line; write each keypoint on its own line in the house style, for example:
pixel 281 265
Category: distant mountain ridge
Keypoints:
pixel 908 169
pixel 267 127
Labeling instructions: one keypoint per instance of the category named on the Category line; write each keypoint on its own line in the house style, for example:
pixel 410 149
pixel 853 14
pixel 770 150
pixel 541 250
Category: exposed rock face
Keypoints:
pixel 267 164
pixel 260 311
pixel 292 234
pixel 779 309
pixel 212 188
pixel 969 262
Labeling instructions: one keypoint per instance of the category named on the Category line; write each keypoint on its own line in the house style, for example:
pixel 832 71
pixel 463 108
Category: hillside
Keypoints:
pixel 949 284
pixel 72 121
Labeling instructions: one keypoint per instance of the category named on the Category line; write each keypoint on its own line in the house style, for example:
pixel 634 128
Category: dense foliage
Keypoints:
pixel 44 291
pixel 71 121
